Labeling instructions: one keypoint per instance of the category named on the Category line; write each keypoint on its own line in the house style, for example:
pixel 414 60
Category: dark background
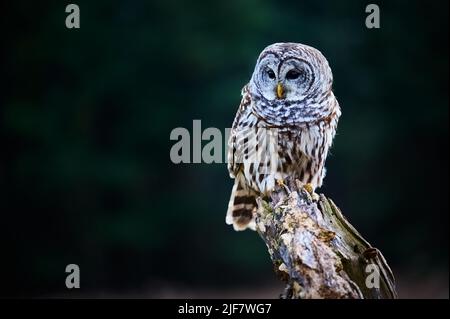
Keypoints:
pixel 85 172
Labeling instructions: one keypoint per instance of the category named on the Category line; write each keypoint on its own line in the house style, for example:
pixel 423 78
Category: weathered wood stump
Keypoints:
pixel 316 251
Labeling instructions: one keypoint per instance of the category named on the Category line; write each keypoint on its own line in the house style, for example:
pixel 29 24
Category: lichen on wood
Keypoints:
pixel 316 251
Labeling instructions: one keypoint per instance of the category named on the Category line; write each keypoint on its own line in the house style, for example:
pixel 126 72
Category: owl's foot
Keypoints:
pixel 280 182
pixel 310 189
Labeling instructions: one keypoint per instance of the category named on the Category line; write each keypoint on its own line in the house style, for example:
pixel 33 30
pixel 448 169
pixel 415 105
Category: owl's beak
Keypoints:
pixel 280 91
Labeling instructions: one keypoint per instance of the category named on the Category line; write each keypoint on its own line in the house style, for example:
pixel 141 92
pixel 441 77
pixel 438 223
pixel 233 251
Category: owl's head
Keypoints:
pixel 289 80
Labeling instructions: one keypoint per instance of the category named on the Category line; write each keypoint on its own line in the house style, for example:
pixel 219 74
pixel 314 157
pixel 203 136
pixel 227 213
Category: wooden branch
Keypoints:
pixel 316 251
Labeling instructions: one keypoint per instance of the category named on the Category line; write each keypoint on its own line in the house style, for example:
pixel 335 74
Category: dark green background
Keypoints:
pixel 86 115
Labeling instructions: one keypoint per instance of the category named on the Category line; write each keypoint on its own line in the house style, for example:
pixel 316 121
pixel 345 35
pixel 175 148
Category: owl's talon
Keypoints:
pixel 309 188
pixel 280 182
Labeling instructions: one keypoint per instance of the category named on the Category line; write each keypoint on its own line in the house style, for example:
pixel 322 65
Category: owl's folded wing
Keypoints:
pixel 234 156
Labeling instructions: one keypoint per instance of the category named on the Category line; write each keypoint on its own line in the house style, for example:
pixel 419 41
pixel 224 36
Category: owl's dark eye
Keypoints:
pixel 271 74
pixel 292 75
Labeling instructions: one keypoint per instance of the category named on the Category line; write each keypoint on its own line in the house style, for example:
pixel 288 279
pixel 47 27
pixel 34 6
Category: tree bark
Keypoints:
pixel 316 251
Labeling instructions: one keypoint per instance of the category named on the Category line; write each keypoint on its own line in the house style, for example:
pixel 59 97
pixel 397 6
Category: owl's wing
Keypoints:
pixel 234 156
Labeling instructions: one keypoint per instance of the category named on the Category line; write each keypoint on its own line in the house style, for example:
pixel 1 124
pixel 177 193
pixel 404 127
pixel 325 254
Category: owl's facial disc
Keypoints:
pixel 283 80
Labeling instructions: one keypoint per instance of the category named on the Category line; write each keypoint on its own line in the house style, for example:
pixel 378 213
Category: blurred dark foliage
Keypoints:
pixel 86 116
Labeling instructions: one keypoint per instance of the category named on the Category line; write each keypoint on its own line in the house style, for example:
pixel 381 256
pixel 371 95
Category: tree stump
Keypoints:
pixel 316 251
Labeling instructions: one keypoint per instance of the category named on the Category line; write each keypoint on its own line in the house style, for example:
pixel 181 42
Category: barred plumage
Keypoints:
pixel 284 126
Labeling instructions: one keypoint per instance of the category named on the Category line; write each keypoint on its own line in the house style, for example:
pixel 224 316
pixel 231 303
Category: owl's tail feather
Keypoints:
pixel 241 207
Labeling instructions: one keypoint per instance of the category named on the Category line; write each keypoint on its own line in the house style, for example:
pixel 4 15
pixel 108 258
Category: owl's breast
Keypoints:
pixel 268 152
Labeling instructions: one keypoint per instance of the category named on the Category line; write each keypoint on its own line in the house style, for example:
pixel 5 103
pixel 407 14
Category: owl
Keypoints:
pixel 284 126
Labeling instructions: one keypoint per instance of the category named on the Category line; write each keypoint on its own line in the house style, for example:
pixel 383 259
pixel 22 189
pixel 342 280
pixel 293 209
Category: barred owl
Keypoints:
pixel 284 126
